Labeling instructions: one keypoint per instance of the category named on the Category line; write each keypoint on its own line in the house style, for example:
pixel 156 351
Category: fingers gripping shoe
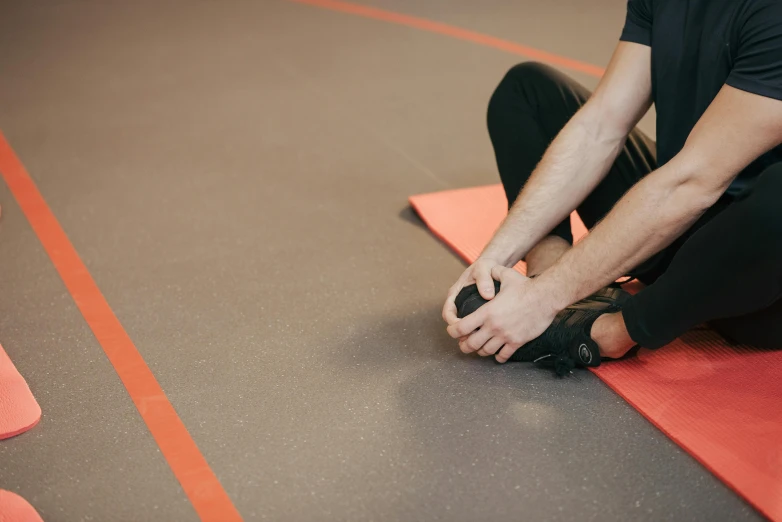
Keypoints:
pixel 567 343
pixel 470 300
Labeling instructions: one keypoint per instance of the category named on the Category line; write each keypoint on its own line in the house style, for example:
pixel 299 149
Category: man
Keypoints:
pixel 699 220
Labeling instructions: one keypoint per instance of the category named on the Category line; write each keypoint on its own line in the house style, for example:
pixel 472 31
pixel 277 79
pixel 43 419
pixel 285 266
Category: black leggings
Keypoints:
pixel 725 270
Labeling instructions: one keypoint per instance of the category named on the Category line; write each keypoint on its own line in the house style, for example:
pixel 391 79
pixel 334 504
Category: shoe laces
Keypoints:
pixel 560 340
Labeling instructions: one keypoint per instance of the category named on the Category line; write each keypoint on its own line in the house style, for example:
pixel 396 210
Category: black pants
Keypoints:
pixel 725 270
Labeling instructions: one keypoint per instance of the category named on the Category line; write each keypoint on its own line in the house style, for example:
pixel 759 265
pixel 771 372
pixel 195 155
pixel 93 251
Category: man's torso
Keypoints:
pixel 694 45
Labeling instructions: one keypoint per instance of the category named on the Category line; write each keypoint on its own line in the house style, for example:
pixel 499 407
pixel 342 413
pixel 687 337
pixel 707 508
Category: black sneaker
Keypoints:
pixel 567 342
pixel 470 300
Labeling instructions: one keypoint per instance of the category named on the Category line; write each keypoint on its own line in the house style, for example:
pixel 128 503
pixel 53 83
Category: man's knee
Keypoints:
pixel 514 89
pixel 526 72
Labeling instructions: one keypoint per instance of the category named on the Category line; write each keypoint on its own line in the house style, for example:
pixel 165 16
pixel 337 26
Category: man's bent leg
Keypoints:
pixel 545 254
pixel 532 103
pixel 762 329
pixel 728 273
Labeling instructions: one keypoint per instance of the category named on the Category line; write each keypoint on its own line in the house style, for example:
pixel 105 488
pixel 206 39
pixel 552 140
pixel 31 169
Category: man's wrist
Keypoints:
pixel 500 256
pixel 558 293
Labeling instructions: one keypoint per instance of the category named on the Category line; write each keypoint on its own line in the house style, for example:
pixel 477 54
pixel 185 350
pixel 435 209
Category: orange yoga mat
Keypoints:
pixel 14 508
pixel 19 411
pixel 721 403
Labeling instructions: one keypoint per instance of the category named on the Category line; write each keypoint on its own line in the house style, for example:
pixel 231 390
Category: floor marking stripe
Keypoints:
pixel 458 33
pixel 199 482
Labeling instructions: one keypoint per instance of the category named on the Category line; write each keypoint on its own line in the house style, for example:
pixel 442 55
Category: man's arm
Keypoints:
pixel 736 128
pixel 579 157
pixel 576 161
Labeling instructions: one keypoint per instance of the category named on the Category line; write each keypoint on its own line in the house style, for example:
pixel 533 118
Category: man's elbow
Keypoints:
pixel 696 182
pixel 607 121
pixel 601 130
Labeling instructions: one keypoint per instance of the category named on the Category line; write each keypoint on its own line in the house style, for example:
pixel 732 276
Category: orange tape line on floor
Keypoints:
pixel 458 33
pixel 190 467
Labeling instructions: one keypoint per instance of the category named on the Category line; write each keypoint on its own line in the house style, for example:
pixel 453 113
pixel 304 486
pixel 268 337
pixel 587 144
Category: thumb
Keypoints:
pixel 485 285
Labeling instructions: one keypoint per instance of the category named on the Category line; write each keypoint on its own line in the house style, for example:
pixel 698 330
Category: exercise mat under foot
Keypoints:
pixel 721 403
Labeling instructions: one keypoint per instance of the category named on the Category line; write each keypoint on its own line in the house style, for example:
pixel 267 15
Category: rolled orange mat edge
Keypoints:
pixel 19 411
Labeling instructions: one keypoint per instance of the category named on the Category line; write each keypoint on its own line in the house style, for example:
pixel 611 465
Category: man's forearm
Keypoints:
pixel 647 219
pixel 576 161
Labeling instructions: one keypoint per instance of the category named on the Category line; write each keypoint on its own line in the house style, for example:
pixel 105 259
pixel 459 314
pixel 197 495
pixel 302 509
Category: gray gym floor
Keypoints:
pixel 234 175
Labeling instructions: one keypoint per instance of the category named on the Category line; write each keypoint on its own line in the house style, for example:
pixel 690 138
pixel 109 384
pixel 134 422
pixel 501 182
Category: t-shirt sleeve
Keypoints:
pixel 638 24
pixel 758 64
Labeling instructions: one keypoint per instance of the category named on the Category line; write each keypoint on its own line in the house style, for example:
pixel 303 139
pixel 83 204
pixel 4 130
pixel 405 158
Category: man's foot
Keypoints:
pixel 611 335
pixel 567 343
pixel 470 300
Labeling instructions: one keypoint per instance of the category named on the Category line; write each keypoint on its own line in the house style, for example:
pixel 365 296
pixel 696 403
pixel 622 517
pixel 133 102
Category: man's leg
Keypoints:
pixel 728 273
pixel 532 103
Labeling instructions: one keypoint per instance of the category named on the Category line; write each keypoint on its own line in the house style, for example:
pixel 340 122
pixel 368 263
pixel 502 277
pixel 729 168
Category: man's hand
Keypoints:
pixel 478 273
pixel 518 314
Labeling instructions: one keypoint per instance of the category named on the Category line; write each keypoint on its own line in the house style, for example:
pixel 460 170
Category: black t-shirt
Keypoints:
pixel 697 47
